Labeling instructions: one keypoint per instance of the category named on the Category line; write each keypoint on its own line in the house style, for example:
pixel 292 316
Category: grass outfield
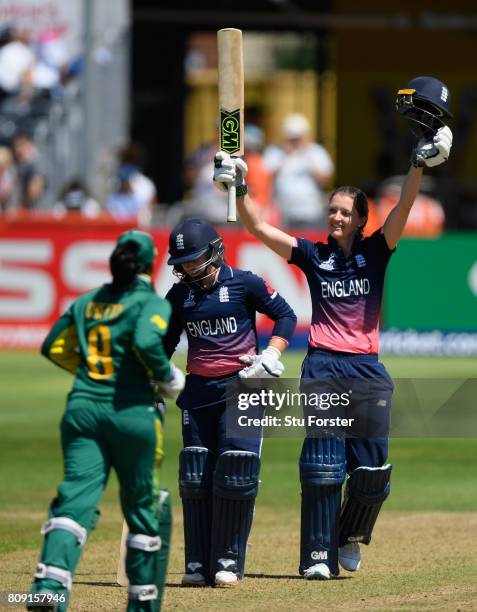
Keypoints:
pixel 430 508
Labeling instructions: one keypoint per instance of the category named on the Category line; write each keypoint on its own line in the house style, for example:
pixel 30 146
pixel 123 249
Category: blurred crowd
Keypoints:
pixel 289 179
pixel 32 76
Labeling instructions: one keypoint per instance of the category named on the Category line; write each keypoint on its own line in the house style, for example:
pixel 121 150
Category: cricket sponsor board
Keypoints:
pixel 430 305
pixel 44 268
pixel 430 302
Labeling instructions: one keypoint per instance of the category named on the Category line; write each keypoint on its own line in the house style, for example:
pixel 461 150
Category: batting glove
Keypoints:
pixel 230 171
pixel 433 152
pixel 171 388
pixel 265 365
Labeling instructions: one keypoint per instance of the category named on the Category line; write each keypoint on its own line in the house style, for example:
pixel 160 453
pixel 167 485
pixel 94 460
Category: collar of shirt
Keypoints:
pixel 332 243
pixel 145 278
pixel 225 273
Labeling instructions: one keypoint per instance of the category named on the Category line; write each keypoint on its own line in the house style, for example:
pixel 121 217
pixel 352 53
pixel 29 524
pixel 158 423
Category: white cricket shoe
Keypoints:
pixel 349 556
pixel 195 579
pixel 224 578
pixel 319 571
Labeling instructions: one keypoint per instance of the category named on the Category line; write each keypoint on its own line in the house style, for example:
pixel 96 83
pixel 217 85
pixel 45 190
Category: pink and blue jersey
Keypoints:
pixel 220 326
pixel 220 322
pixel 346 292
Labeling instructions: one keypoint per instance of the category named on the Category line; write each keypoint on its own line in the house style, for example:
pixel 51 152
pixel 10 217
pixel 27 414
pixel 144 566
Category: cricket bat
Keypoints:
pixel 121 577
pixel 231 96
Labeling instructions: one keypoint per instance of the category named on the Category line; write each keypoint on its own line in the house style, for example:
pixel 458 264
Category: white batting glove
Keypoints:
pixel 265 365
pixel 171 388
pixel 229 171
pixel 433 152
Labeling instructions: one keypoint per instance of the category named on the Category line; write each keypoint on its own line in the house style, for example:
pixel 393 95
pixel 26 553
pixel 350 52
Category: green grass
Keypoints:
pixel 429 475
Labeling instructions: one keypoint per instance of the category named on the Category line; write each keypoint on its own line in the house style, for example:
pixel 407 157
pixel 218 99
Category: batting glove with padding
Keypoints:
pixel 265 365
pixel 171 388
pixel 230 171
pixel 433 152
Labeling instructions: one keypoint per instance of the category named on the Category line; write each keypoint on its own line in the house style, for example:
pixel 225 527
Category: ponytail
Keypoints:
pixel 123 264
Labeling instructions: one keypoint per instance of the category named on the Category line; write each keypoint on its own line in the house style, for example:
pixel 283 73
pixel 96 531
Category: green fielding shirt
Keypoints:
pixel 112 341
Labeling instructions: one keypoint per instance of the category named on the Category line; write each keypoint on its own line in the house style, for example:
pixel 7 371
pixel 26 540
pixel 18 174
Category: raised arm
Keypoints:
pixel 427 153
pixel 233 170
pixel 278 240
pixel 397 218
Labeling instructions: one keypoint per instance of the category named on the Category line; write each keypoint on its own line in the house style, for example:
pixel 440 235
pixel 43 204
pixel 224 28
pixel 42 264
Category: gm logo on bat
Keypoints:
pixel 230 131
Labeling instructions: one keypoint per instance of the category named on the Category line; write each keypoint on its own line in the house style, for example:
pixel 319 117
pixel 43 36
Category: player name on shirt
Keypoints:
pixel 100 310
pixel 212 327
pixel 345 288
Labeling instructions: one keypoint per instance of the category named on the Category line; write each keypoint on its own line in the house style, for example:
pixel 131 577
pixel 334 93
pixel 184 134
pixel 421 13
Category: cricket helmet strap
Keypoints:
pixel 426 102
pixel 189 240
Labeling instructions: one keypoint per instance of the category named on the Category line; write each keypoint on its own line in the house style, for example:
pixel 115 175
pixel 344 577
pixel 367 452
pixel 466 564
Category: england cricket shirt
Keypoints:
pixel 220 326
pixel 346 292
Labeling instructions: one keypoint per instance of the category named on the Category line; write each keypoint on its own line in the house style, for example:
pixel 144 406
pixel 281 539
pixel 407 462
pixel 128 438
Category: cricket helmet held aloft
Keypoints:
pixel 189 240
pixel 425 101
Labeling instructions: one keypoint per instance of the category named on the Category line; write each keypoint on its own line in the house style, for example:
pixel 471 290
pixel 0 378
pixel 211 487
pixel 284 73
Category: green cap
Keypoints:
pixel 146 249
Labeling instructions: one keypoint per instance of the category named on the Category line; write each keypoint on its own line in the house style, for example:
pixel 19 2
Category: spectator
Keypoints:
pixel 259 179
pixel 17 61
pixel 131 161
pixel 31 182
pixel 7 179
pixel 51 65
pixel 75 197
pixel 205 202
pixel 427 217
pixel 132 156
pixel 301 170
pixel 122 202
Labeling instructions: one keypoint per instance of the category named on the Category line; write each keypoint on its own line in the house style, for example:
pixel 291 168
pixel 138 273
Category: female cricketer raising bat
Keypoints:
pixel 345 277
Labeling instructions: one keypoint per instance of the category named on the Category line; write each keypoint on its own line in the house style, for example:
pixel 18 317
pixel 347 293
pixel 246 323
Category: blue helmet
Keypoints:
pixel 425 101
pixel 189 240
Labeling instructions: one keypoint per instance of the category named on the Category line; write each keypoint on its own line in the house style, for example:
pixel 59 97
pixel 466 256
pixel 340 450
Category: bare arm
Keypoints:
pixel 394 224
pixel 279 241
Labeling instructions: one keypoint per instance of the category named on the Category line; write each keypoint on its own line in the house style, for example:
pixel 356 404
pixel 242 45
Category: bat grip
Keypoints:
pixel 231 204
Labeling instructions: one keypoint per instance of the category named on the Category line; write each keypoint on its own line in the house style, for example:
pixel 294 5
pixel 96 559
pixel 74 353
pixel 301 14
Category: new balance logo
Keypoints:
pixel 180 241
pixel 382 403
pixel 185 417
pixel 224 294
pixel 444 94
pixel 319 555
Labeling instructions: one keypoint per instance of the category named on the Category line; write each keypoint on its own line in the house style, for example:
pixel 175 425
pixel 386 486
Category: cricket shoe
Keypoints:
pixel 194 580
pixel 224 578
pixel 319 571
pixel 349 556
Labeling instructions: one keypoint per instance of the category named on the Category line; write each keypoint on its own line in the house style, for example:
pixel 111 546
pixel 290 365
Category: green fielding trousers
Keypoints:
pixel 95 438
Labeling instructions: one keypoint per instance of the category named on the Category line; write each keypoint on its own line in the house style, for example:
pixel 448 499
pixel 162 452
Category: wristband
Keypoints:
pixel 241 190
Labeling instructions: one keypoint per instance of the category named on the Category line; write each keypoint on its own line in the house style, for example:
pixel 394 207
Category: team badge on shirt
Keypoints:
pixel 360 260
pixel 328 264
pixel 224 294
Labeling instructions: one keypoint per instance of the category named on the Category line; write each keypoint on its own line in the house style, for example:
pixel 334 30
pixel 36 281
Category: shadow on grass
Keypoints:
pixel 288 577
pixel 170 585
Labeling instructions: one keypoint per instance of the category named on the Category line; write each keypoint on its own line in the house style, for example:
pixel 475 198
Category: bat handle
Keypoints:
pixel 231 204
